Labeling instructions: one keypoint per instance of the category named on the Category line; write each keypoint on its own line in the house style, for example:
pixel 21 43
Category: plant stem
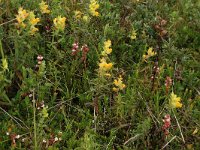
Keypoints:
pixel 1 49
pixel 179 126
pixel 34 122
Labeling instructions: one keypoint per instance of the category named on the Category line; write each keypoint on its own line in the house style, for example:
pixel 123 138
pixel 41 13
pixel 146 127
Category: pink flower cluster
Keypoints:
pixel 167 124
pixel 75 48
pixel 168 83
pixel 40 59
pixel 39 62
pixel 84 50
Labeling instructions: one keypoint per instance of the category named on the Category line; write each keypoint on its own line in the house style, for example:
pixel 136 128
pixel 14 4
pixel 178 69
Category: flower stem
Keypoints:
pixel 34 122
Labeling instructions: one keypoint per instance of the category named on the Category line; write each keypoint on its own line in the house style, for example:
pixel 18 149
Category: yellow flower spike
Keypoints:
pixel 59 23
pixel 120 77
pixel 144 56
pixel 104 67
pixel 107 43
pixel 150 53
pixel 93 6
pixel 78 14
pixel 44 8
pixel 175 101
pixel 108 66
pixel 119 84
pixel 19 19
pixel 4 64
pixel 102 59
pixel 108 75
pixel 106 49
pixel 85 18
pixel 115 82
pixel 21 16
pixel 32 19
pixel 115 89
pixel 133 35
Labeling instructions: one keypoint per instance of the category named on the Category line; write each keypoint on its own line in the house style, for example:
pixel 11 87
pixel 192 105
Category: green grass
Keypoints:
pixel 66 100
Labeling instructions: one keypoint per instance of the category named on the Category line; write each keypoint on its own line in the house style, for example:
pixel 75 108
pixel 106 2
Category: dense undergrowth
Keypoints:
pixel 92 75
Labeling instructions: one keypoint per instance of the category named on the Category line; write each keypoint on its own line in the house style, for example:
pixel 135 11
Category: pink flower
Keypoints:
pixel 167 124
pixel 84 50
pixel 75 48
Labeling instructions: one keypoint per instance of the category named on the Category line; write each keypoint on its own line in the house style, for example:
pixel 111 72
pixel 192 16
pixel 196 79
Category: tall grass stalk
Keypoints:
pixel 34 122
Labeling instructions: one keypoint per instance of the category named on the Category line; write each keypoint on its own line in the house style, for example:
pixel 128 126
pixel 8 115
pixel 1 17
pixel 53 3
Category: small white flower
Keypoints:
pixel 17 136
pixel 56 139
pixel 40 58
pixel 44 141
pixel 23 140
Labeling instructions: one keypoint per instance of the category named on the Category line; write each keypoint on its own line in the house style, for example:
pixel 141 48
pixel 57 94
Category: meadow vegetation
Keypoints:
pixel 99 74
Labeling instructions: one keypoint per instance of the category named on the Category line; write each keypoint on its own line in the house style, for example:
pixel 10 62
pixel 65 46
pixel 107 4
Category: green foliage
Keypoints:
pixel 63 86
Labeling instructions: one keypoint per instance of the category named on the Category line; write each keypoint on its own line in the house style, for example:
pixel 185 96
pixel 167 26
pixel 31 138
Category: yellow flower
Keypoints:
pixel 93 8
pixel 44 8
pixel 33 21
pixel 4 64
pixel 33 29
pixel 175 101
pixel 108 66
pixel 107 75
pixel 119 84
pixel 133 35
pixel 107 49
pixel 85 18
pixel 104 66
pixel 78 14
pixel 115 89
pixel 21 16
pixel 59 23
pixel 150 53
